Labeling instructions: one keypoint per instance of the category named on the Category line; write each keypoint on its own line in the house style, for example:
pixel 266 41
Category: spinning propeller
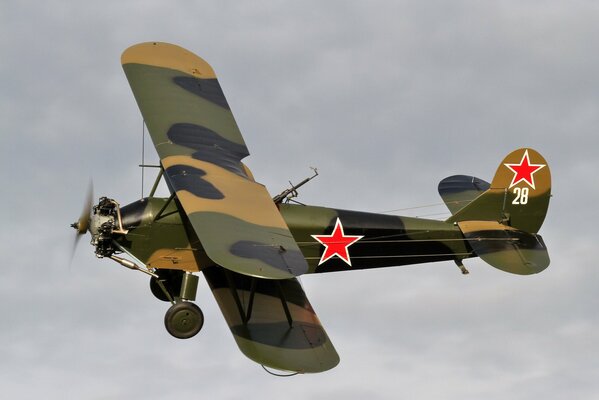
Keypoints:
pixel 82 224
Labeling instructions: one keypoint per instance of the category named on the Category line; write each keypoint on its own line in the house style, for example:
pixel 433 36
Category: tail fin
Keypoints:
pixel 501 224
pixel 518 196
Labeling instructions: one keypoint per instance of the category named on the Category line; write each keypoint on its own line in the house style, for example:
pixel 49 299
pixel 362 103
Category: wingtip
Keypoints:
pixel 167 55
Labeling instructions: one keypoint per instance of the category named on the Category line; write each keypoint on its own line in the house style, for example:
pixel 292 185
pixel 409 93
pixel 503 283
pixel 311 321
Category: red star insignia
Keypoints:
pixel 524 171
pixel 336 244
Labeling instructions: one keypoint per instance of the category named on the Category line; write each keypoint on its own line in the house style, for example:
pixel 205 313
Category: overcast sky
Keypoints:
pixel 386 99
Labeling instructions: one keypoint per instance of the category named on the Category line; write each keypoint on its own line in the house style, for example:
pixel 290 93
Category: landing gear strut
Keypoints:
pixel 183 319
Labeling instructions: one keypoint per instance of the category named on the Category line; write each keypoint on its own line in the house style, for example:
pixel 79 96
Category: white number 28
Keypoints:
pixel 521 195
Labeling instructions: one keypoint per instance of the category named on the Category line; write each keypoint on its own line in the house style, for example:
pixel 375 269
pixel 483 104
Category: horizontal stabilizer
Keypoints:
pixel 458 191
pixel 272 321
pixel 506 248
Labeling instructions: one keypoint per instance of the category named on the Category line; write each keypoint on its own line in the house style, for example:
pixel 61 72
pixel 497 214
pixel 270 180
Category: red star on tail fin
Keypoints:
pixel 524 171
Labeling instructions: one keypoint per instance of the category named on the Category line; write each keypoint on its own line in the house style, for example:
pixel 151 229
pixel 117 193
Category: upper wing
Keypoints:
pixel 272 322
pixel 458 191
pixel 201 149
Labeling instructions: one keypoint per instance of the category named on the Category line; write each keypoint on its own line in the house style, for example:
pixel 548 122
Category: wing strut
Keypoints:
pixel 246 314
pixel 159 214
pixel 156 182
pixel 284 304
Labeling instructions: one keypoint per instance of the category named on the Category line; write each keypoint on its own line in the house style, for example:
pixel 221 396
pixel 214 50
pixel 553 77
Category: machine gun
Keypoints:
pixel 288 194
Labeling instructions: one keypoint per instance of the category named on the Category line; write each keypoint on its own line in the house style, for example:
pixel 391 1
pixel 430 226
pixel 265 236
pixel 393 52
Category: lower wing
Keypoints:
pixel 272 321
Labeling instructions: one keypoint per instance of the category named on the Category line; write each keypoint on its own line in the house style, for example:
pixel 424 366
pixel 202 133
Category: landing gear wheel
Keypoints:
pixel 184 320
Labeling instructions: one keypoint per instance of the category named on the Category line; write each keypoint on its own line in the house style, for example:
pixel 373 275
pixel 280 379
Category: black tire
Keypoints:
pixel 184 320
pixel 171 279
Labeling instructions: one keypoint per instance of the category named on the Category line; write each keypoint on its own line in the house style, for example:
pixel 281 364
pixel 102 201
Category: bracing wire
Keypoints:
pixel 411 208
pixel 457 202
pixel 143 142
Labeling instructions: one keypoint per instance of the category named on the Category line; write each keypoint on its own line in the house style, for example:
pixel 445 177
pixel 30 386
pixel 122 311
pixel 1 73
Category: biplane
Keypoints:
pixel 251 247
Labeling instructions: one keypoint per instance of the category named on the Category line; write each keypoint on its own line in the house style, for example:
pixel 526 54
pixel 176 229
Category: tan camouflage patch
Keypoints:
pixel 170 56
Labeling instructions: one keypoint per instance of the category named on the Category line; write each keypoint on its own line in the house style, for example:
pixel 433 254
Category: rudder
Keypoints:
pixel 518 196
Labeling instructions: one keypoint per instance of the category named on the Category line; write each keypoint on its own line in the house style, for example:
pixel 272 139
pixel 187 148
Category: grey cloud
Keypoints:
pixel 391 97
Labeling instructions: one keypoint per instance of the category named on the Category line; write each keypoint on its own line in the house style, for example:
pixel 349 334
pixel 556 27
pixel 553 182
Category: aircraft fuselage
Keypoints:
pixel 330 239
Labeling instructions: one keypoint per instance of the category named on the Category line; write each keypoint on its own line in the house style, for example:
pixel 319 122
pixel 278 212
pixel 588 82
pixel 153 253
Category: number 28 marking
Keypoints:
pixel 521 196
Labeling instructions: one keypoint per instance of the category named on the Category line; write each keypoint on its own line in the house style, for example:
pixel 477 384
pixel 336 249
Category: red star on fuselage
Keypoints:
pixel 336 244
pixel 524 171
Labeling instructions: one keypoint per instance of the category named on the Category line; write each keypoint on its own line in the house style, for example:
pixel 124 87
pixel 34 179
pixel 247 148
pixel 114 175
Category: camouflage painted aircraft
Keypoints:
pixel 251 247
